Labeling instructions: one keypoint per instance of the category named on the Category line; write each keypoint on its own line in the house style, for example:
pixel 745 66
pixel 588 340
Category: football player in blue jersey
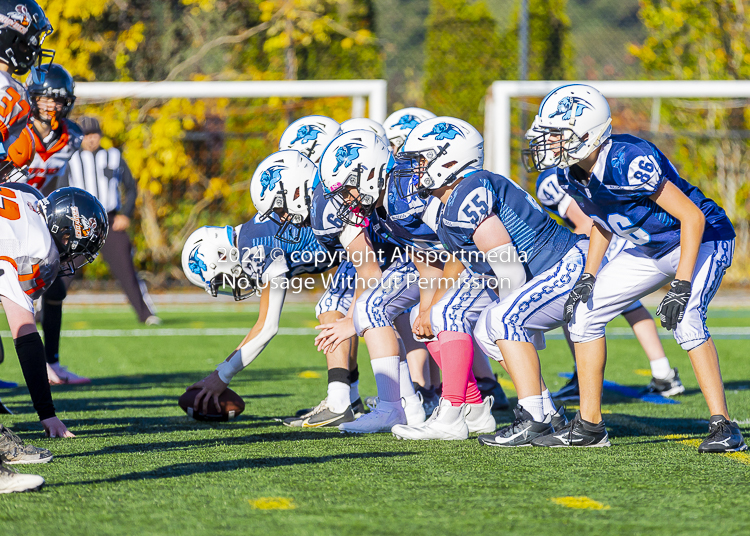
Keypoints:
pixel 631 189
pixel 265 253
pixel 353 172
pixel 500 232
pixel 665 380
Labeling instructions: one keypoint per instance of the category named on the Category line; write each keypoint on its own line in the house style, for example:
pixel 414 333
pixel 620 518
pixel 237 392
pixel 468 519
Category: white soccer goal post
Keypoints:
pixel 359 90
pixel 497 119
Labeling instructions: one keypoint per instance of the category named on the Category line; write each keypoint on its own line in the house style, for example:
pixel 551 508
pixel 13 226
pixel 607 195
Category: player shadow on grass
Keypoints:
pixel 186 469
pixel 232 441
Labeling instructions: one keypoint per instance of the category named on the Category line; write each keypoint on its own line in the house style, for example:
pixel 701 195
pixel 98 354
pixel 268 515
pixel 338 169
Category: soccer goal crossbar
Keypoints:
pixel 359 90
pixel 497 118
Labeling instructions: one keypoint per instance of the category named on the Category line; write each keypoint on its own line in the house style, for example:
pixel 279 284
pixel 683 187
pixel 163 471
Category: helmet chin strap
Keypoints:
pixel 424 192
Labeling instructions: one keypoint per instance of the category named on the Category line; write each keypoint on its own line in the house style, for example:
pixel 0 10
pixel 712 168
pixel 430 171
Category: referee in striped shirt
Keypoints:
pixel 102 172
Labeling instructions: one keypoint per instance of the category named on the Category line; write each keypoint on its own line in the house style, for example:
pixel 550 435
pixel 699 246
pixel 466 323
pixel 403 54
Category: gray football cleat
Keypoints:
pixel 14 451
pixel 670 386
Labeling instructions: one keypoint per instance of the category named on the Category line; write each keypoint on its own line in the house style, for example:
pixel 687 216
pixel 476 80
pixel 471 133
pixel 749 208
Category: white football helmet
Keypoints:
pixel 354 169
pixel 211 261
pixel 572 122
pixel 281 189
pixel 400 123
pixel 363 123
pixel 437 152
pixel 310 135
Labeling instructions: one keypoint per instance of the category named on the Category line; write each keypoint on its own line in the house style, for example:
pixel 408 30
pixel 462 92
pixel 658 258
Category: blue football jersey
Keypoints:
pixel 259 250
pixel 550 194
pixel 627 171
pixel 402 219
pixel 532 231
pixel 328 227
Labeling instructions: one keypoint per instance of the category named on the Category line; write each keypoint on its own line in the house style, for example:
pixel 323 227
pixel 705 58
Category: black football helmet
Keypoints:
pixel 23 28
pixel 78 224
pixel 57 85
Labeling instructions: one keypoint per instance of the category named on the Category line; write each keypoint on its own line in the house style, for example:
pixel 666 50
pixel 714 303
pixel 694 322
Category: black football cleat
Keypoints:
pixel 569 391
pixel 518 434
pixel 577 433
pixel 671 386
pixel 491 387
pixel 358 407
pixel 558 420
pixel 723 436
pixel 5 410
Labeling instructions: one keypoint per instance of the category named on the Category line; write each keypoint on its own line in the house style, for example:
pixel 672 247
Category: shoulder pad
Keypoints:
pixel 632 167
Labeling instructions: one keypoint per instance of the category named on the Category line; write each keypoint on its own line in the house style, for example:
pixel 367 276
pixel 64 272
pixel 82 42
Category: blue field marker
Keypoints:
pixel 8 385
pixel 629 392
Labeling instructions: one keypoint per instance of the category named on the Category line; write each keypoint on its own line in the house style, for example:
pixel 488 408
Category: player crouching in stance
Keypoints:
pixel 43 238
pixel 499 230
pixel 261 256
pixel 353 172
pixel 665 380
pixel 629 188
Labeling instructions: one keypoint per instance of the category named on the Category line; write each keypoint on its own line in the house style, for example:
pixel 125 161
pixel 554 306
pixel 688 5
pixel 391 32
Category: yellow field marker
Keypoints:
pixel 506 384
pixel 579 503
pixel 272 503
pixel 309 375
pixel 643 372
pixel 742 457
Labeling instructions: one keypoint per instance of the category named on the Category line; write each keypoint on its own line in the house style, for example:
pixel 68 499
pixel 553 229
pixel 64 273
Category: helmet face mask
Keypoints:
pixel 211 261
pixel 58 86
pixel 354 206
pixel 354 170
pixel 78 224
pixel 573 121
pixel 23 29
pixel 437 152
pixel 281 190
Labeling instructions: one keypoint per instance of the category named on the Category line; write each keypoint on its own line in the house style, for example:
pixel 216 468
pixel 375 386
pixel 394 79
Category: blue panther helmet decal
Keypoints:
pixel 306 133
pixel 570 105
pixel 406 122
pixel 443 131
pixel 269 179
pixel 196 263
pixel 346 155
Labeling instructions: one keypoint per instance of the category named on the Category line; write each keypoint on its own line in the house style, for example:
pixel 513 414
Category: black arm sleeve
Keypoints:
pixel 30 352
pixel 128 183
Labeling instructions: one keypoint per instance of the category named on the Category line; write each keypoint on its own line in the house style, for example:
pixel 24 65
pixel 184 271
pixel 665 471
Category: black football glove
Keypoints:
pixel 580 293
pixel 672 307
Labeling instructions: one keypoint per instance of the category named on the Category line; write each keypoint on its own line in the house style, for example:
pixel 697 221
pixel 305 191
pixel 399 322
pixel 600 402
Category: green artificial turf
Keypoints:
pixel 138 466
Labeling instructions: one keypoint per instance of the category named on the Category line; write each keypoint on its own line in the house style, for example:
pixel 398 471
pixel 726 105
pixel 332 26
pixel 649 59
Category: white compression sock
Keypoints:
pixel 386 372
pixel 406 387
pixel 338 397
pixel 549 406
pixel 660 368
pixel 534 405
pixel 354 392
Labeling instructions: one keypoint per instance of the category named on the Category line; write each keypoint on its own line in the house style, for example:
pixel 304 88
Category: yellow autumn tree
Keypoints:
pixel 180 186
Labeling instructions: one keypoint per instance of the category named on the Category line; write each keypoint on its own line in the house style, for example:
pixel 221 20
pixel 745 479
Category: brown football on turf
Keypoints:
pixel 231 405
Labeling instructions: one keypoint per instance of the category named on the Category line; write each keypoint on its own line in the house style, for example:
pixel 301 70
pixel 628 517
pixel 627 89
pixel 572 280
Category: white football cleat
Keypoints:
pixel 479 417
pixel 414 409
pixel 12 482
pixel 384 417
pixel 58 375
pixel 447 423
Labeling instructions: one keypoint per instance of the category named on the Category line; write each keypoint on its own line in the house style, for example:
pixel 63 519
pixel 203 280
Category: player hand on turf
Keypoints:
pixel 422 326
pixel 53 427
pixel 580 293
pixel 211 388
pixel 333 334
pixel 672 307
